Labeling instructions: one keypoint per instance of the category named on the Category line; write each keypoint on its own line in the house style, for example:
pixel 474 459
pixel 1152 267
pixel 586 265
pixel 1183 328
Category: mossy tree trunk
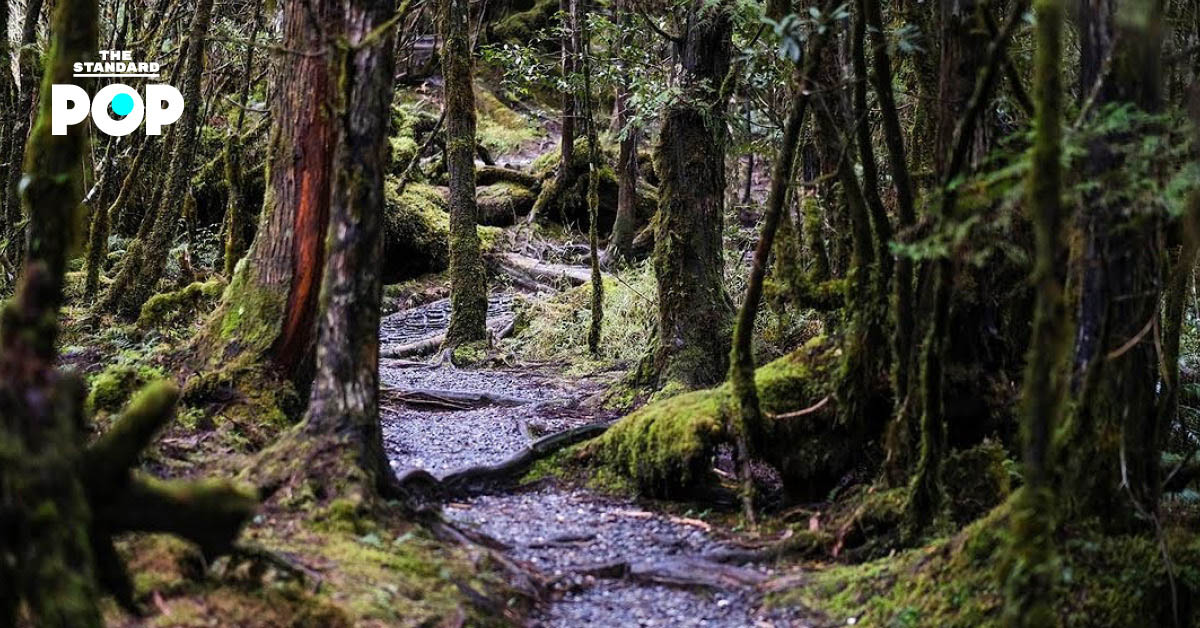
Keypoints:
pixel 566 9
pixel 269 309
pixel 1029 575
pixel 925 491
pixel 62 501
pixel 344 402
pixel 236 213
pixel 1115 438
pixel 8 104
pixel 144 261
pixel 903 306
pixel 593 187
pixel 468 278
pixel 694 311
pixel 748 427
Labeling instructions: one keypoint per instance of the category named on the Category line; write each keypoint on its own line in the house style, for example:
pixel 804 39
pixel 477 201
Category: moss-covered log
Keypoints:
pixel 667 447
pixel 416 233
pixel 501 204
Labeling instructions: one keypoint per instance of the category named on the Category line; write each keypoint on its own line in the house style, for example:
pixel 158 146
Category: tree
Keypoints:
pixel 1113 436
pixel 26 94
pixel 343 408
pixel 144 261
pixel 620 242
pixel 269 308
pixel 1029 576
pixel 468 278
pixel 694 312
pixel 63 501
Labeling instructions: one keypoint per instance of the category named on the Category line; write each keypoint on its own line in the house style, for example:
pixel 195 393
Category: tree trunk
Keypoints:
pixel 24 98
pixel 1116 361
pixel 344 402
pixel 468 279
pixel 235 224
pixel 569 50
pixel 269 309
pixel 1030 579
pixel 694 311
pixel 620 242
pixel 144 262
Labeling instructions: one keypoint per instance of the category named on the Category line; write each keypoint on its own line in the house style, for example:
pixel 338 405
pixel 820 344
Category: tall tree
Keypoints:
pixel 1029 577
pixel 468 278
pixel 1112 435
pixel 694 312
pixel 269 308
pixel 567 10
pixel 144 261
pixel 620 242
pixel 344 403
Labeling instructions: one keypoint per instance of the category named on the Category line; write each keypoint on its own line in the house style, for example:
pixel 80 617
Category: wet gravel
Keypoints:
pixel 573 536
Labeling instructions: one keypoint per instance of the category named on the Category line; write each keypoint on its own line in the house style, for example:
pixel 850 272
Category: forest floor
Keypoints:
pixel 611 560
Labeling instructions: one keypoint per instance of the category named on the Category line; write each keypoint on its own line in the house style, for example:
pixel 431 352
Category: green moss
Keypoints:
pixel 498 128
pixel 112 387
pixel 666 446
pixel 183 304
pixel 976 480
pixel 521 27
pixel 1104 581
pixel 501 203
pixel 417 232
pixel 470 353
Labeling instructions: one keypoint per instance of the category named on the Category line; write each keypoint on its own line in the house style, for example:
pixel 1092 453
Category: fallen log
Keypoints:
pixel 677 571
pixel 529 269
pixel 488 175
pixel 472 478
pixel 457 399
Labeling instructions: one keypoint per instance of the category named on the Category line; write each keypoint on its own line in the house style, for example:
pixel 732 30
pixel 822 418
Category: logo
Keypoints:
pixel 117 109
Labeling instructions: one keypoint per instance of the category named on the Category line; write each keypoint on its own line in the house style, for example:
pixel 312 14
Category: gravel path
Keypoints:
pixel 610 560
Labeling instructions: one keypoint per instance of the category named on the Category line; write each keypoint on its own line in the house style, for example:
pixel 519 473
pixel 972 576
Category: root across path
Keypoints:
pixel 610 561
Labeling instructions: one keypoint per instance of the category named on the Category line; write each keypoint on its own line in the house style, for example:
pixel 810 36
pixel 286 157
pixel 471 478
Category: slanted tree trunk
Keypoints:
pixel 694 311
pixel 144 261
pixel 269 309
pixel 748 426
pixel 1113 434
pixel 1030 579
pixel 468 278
pixel 344 403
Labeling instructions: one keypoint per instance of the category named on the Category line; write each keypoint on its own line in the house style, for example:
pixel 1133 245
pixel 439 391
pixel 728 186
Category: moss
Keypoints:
pixel 521 27
pixel 666 447
pixel 113 386
pixel 162 309
pixel 499 129
pixel 470 353
pixel 1104 581
pixel 501 203
pixel 976 480
pixel 417 233
pixel 564 201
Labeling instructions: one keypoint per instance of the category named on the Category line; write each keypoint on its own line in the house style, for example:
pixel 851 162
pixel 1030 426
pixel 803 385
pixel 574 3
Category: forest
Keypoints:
pixel 565 313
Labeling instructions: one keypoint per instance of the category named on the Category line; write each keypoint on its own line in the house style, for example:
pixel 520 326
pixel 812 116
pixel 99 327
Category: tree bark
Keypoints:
pixel 1114 435
pixel 269 309
pixel 468 279
pixel 25 97
pixel 694 311
pixel 1030 579
pixel 620 242
pixel 344 402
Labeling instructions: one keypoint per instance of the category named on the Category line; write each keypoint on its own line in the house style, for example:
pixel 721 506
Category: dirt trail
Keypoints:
pixel 612 561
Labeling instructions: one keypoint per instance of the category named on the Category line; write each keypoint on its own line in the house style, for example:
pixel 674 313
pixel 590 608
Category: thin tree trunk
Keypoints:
pixel 748 427
pixel 569 52
pixel 468 278
pixel 1030 579
pixel 593 190
pixel 620 242
pixel 23 114
pixel 235 224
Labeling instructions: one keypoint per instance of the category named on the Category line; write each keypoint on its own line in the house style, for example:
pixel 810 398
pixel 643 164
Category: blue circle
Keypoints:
pixel 122 104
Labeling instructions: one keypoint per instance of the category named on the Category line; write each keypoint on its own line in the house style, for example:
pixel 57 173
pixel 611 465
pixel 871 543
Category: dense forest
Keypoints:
pixel 599 313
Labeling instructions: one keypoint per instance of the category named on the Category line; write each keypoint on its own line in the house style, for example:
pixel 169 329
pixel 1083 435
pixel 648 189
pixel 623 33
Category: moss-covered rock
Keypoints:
pixel 113 386
pixel 417 231
pixel 976 480
pixel 667 446
pixel 500 204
